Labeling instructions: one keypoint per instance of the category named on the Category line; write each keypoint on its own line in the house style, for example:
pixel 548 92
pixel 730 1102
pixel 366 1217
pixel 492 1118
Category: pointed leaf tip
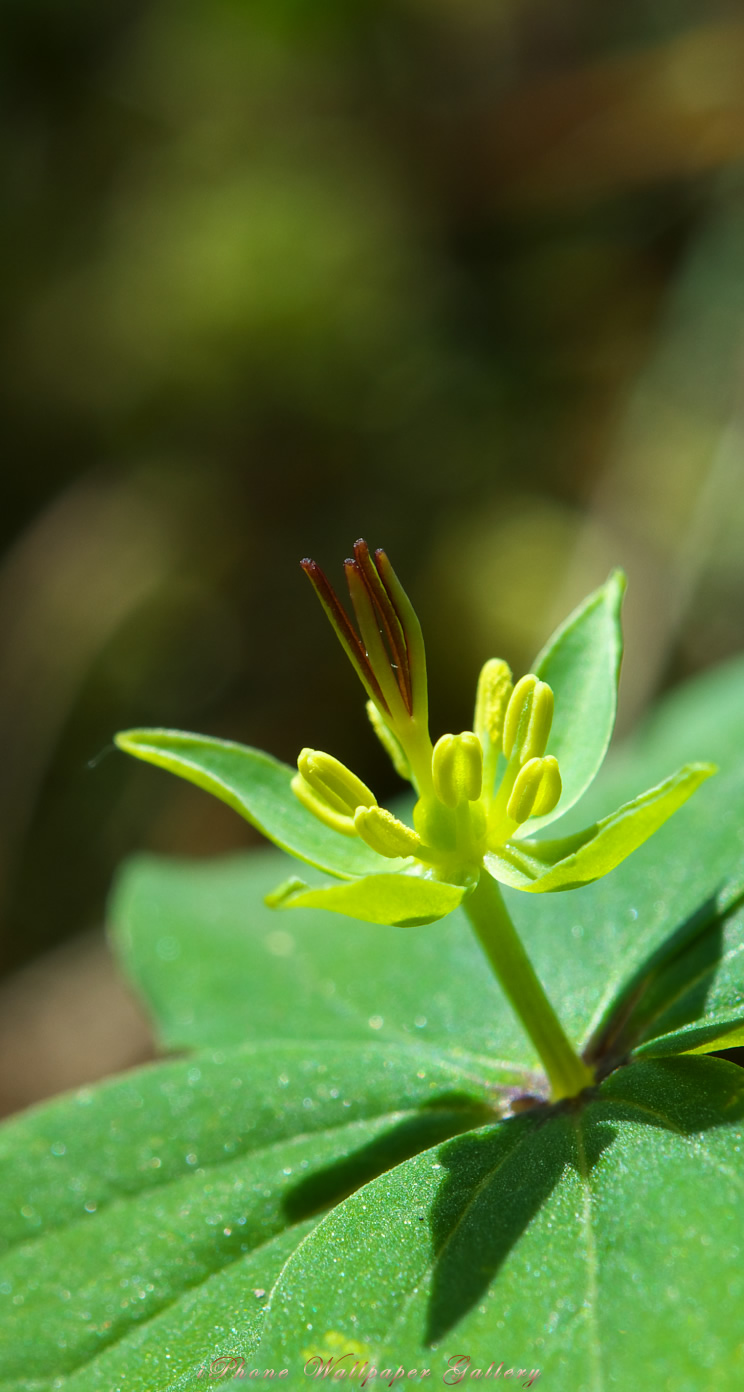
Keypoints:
pixel 581 662
pixel 573 861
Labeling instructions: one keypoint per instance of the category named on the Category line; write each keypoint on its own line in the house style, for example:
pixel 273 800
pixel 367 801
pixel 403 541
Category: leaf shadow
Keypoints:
pixel 445 1116
pixel 670 988
pixel 498 1181
pixel 472 1237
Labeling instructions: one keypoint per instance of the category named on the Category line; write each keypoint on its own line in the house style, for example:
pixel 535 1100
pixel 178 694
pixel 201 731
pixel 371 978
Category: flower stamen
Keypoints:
pixel 388 618
pixel 330 790
pixel 385 834
pixel 345 631
pixel 387 651
pixel 372 629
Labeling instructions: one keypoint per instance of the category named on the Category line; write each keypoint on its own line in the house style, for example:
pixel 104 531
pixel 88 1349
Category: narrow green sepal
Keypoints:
pixel 401 900
pixel 581 662
pixel 257 787
pixel 415 650
pixel 541 867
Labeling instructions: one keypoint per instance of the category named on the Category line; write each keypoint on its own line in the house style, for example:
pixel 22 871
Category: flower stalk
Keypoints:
pixel 490 919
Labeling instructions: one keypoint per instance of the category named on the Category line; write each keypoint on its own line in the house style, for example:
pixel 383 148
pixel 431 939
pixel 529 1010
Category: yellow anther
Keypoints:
pixel 330 791
pixel 529 717
pixel 492 698
pixel 333 781
pixel 525 791
pixel 457 768
pixel 390 743
pixel 536 790
pixel 550 788
pixel 337 821
pixel 385 834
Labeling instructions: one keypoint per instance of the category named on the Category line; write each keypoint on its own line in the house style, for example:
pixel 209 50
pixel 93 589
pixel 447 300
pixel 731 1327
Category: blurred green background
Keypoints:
pixel 463 277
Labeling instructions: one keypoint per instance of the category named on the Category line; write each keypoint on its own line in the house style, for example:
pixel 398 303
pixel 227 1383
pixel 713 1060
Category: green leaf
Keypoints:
pixel 257 787
pixel 545 1225
pixel 118 1201
pixel 574 861
pixel 581 662
pixel 589 1246
pixel 536 1238
pixel 214 1328
pixel 406 901
pixel 714 1035
pixel 216 966
pixel 696 975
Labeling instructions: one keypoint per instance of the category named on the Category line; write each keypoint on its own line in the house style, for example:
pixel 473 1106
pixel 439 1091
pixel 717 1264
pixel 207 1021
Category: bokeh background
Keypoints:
pixel 463 277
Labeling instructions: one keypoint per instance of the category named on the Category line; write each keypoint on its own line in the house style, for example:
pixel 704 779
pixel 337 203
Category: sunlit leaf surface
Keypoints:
pixel 544 1242
pixel 357 1160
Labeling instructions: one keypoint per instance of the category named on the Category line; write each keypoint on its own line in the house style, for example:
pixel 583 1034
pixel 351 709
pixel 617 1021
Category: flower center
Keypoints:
pixel 464 808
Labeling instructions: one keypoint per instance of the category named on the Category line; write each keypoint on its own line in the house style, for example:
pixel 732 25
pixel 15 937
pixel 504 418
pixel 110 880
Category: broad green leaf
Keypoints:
pixel 234 1100
pixel 538 1233
pixel 257 787
pixel 581 662
pixel 216 965
pixel 119 1200
pixel 591 1247
pixel 574 861
pixel 696 974
pixel 86 1283
pixel 407 901
pixel 200 1333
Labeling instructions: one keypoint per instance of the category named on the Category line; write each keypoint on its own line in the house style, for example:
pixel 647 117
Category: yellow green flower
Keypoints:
pixel 483 796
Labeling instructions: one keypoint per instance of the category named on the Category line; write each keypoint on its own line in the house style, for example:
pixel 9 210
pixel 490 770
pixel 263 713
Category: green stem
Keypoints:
pixel 487 912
